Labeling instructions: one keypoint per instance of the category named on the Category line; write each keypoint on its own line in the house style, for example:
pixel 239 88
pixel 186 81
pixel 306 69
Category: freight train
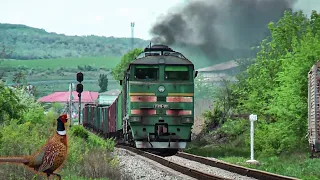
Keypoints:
pixel 154 109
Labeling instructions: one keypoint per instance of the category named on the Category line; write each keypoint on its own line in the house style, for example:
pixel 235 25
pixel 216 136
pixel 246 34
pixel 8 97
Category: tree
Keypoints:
pixel 3 54
pixel 19 79
pixel 103 82
pixel 275 85
pixel 118 71
pixel 10 107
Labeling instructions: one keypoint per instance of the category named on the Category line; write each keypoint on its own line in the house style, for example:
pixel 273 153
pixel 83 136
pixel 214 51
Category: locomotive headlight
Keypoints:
pixel 187 120
pixel 161 89
pixel 135 119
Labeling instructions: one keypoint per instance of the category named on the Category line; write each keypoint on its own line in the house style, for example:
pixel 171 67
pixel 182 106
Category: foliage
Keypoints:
pixel 3 54
pixel 10 107
pixel 234 128
pixel 99 163
pixel 90 156
pixel 80 132
pixel 103 82
pixel 19 79
pixel 118 71
pixel 275 85
pixel 33 43
pixel 26 133
pixel 224 101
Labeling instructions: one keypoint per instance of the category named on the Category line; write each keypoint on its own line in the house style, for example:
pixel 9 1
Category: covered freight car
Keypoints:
pixel 314 109
pixel 104 118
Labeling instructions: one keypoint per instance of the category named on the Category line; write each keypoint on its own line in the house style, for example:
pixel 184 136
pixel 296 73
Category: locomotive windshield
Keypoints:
pixel 177 73
pixel 145 72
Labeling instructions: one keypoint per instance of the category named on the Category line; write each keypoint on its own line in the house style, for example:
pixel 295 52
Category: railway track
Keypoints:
pixel 257 174
pixel 192 172
pixel 182 169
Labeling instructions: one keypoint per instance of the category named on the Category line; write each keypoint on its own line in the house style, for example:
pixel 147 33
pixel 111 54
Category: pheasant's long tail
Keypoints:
pixel 13 159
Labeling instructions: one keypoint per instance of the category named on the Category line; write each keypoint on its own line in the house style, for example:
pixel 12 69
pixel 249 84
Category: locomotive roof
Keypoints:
pixel 161 60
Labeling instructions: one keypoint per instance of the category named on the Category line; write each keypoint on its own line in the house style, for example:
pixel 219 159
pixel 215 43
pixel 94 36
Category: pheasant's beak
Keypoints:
pixel 64 120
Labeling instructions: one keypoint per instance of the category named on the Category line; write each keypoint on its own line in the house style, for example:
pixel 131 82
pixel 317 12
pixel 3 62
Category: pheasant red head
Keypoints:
pixel 64 118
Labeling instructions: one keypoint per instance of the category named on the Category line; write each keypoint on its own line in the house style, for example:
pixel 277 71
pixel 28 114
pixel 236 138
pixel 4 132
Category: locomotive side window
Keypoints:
pixel 146 73
pixel 176 73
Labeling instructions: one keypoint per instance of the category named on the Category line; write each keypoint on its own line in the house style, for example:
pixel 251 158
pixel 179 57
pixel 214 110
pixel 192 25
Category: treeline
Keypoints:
pixel 274 87
pixel 25 42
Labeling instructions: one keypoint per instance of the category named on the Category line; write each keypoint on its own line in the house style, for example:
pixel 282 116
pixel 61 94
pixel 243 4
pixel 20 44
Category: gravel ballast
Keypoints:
pixel 133 166
pixel 208 169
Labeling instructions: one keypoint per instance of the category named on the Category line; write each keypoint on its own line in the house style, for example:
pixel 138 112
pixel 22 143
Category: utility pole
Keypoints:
pixel 132 35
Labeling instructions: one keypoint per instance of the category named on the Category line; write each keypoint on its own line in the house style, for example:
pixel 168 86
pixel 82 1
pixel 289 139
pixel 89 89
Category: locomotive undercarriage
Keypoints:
pixel 161 141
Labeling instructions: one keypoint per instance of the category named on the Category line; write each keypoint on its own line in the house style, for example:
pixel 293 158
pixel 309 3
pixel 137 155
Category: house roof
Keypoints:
pixel 219 67
pixel 86 97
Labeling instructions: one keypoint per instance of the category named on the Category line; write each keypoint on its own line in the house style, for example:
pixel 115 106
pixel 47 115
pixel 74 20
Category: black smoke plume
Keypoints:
pixel 221 29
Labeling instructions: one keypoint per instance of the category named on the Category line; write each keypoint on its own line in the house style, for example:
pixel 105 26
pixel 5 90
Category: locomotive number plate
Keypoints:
pixel 161 106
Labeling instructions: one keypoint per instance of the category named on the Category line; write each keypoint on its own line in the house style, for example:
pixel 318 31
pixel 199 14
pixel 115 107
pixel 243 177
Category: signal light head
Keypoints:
pixel 79 88
pixel 80 77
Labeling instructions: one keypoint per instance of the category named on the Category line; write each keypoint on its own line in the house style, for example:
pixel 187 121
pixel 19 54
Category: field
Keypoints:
pixel 103 62
pixel 50 75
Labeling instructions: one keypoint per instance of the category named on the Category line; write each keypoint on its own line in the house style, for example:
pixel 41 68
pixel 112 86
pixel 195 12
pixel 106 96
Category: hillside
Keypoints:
pixel 25 42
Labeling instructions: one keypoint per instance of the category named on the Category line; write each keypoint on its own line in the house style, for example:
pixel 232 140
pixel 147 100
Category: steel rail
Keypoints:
pixel 177 167
pixel 258 174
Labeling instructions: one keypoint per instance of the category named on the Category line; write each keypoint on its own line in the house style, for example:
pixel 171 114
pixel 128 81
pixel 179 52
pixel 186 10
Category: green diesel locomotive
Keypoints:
pixel 155 108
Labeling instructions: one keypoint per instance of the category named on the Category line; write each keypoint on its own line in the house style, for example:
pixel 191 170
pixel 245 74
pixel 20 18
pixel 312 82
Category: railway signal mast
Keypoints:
pixel 79 90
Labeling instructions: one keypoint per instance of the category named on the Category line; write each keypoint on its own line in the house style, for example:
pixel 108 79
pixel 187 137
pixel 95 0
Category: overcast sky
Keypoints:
pixel 98 17
pixel 86 17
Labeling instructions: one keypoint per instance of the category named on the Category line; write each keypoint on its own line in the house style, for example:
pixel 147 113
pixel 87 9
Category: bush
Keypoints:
pixel 25 134
pixel 90 155
pixel 274 138
pixel 79 131
pixel 234 128
pixel 99 163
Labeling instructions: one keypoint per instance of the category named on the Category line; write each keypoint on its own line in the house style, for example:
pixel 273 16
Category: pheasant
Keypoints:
pixel 51 156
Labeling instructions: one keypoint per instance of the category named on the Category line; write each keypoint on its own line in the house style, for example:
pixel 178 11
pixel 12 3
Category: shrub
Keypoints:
pixel 99 163
pixel 79 131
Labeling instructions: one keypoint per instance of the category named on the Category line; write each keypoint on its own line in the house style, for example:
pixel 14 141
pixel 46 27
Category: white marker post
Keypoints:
pixel 252 118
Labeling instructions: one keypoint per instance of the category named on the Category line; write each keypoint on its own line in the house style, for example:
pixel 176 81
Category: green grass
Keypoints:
pixel 294 165
pixel 103 62
pixel 297 164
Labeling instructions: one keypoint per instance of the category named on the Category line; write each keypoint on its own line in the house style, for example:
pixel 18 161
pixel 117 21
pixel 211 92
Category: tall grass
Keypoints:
pixel 88 155
pixel 296 164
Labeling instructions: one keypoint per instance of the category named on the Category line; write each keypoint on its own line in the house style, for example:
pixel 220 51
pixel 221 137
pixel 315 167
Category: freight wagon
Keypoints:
pixel 155 108
pixel 313 109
